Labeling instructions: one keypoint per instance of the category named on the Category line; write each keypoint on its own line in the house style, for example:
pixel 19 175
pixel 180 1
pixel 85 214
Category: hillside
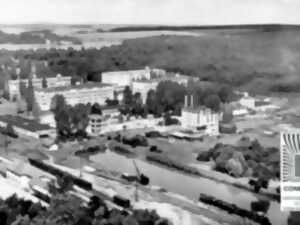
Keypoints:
pixel 263 27
pixel 255 59
pixel 34 37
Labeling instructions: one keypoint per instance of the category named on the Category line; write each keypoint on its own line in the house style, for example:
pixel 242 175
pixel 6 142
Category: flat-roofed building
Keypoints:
pixel 84 93
pixel 199 118
pixel 58 81
pixel 27 127
pixel 125 78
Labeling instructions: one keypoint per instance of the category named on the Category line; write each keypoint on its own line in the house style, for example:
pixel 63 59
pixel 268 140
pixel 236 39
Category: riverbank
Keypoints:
pixel 171 155
pixel 219 177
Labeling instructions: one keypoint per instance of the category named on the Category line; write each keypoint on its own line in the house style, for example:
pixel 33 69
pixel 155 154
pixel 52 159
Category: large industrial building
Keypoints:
pixel 58 81
pixel 84 93
pixel 199 118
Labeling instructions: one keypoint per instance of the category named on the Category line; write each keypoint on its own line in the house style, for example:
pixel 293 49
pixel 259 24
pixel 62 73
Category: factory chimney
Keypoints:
pixel 185 101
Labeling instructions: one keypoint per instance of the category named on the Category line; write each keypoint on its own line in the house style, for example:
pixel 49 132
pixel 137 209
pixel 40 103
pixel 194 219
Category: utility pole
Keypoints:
pixel 136 182
pixel 5 144
pixel 136 194
pixel 80 172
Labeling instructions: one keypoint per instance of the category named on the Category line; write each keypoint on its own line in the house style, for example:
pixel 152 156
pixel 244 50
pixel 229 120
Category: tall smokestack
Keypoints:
pixel 185 101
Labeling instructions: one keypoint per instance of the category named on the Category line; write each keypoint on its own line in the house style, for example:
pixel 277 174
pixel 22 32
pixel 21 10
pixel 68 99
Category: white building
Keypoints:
pixel 47 117
pixel 86 93
pixel 248 102
pixel 125 78
pixel 95 124
pixel 199 118
pixel 58 81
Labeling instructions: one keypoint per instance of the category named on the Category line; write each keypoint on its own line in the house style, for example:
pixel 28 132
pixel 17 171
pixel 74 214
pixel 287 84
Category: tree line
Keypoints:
pixel 169 96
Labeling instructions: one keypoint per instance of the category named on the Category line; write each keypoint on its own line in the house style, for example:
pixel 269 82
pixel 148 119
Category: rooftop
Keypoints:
pixel 74 87
pixel 125 71
pixel 24 123
pixel 196 109
pixel 58 76
pixel 163 78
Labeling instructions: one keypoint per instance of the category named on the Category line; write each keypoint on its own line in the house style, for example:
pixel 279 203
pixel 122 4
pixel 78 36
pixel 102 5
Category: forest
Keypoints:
pixel 258 61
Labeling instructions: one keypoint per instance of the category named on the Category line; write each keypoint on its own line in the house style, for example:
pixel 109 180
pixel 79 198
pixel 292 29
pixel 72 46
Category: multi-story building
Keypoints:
pixel 85 93
pixel 125 78
pixel 58 81
pixel 199 118
pixel 95 124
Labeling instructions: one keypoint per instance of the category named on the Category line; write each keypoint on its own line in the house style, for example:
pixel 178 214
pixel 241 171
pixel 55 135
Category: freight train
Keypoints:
pixel 233 209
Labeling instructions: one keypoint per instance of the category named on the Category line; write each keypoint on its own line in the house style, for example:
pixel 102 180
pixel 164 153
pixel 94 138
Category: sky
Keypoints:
pixel 173 12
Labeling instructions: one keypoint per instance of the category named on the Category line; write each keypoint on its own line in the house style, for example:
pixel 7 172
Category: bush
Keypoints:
pixel 260 206
pixel 153 134
pixel 121 150
pixel 170 121
pixel 204 156
pixel 154 148
pixel 135 141
pixel 91 150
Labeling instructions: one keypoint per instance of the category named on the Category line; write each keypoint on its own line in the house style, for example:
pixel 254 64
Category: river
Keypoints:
pixel 185 185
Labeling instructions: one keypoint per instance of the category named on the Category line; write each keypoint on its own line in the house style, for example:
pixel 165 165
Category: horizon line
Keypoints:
pixel 147 24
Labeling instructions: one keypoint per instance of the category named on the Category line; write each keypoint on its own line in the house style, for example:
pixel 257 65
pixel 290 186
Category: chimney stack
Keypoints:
pixel 185 101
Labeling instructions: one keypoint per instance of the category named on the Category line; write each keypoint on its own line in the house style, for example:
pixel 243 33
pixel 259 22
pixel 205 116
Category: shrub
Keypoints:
pixel 135 141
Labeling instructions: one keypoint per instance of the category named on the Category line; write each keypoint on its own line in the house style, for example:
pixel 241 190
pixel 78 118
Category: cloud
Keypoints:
pixel 151 11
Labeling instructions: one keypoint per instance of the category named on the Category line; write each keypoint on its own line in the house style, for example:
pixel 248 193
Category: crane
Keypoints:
pixel 141 179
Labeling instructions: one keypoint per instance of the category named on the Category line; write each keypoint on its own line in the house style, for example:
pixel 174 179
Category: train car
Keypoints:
pixel 82 183
pixel 129 177
pixel 233 209
pixel 41 193
pixel 121 201
pixel 59 173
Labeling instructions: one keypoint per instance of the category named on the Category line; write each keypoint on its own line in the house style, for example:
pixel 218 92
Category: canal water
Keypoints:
pixel 185 185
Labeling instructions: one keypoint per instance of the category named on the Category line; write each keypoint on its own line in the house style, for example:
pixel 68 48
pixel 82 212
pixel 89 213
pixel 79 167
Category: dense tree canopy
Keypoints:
pixel 127 96
pixel 71 121
pixel 66 209
pixel 96 109
pixel 213 102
